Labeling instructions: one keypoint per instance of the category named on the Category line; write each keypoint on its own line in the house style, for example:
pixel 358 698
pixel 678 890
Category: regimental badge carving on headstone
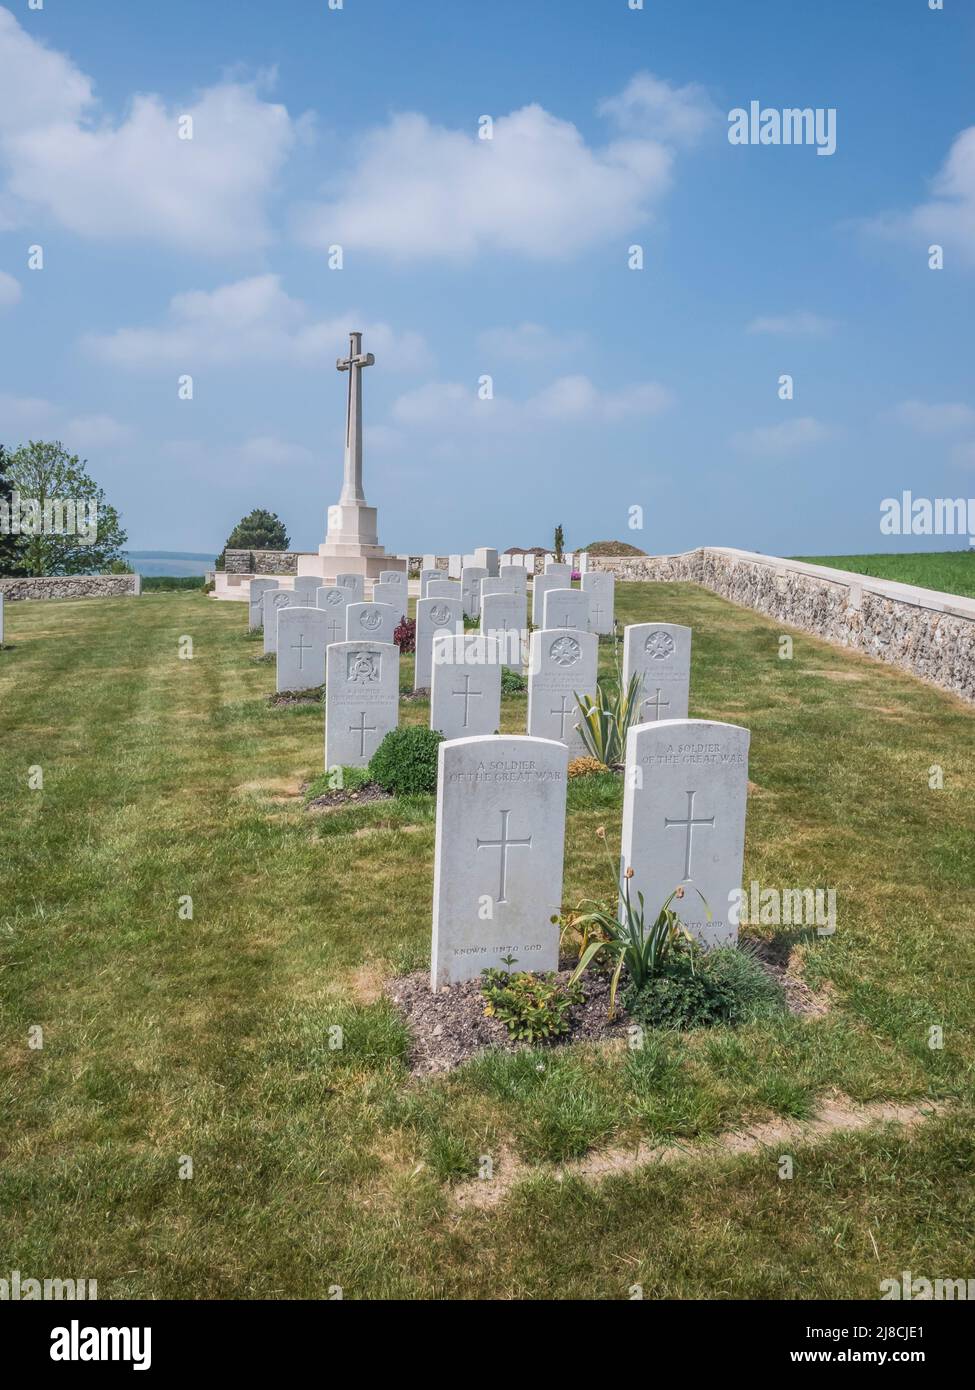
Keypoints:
pixel 660 654
pixel 659 646
pixel 361 700
pixel 364 668
pixel 440 613
pixel 370 619
pixel 562 666
pixel 333 597
pixel 565 651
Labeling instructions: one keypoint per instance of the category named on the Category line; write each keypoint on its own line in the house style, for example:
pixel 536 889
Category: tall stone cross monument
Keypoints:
pixel 352 541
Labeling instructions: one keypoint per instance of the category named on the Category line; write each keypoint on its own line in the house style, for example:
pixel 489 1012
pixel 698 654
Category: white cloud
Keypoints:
pixel 24 416
pixel 451 406
pixel 773 441
pixel 251 320
pixel 32 417
pixel 530 342
pixel 941 418
pixel 654 107
pixel 10 291
pixel 947 218
pixel 422 191
pixel 799 324
pixel 135 177
pixel 95 432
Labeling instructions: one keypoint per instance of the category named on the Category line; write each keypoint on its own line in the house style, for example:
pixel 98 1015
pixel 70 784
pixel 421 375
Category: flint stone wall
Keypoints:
pixel 928 633
pixel 72 586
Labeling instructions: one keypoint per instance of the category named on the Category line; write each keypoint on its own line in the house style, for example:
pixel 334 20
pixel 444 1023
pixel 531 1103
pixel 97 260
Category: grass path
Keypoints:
pixel 313 1167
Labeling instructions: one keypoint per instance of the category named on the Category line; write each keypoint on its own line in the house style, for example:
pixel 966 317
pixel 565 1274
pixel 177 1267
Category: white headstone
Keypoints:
pixel 455 563
pixel 559 567
pixel 684 798
pixel 433 615
pixel 470 583
pixel 541 585
pixel 306 586
pixel 302 639
pixel 393 594
pixel 566 608
pixel 465 695
pixel 397 577
pixel 255 612
pixel 487 559
pixel 273 600
pixel 356 585
pixel 582 562
pixel 512 579
pixel 601 588
pixel 505 617
pixel 429 562
pixel 429 576
pixel 661 653
pixel 498 855
pixel 563 664
pixel 376 622
pixel 334 601
pixel 361 700
pixel 443 588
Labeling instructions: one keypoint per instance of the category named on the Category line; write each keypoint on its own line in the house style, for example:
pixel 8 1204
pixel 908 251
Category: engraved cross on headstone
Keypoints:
pixel 656 702
pixel 563 715
pixel 301 646
pixel 334 626
pixel 353 364
pixel 467 695
pixel 362 728
pixel 689 825
pixel 504 844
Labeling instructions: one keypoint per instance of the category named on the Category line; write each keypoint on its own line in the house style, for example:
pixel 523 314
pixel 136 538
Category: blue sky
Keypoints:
pixel 612 388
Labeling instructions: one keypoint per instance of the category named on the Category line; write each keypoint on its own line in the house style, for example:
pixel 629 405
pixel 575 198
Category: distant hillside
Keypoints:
pixel 611 549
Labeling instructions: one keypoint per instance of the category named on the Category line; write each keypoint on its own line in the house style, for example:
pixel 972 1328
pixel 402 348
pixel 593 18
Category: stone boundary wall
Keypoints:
pixel 72 586
pixel 262 561
pixel 928 633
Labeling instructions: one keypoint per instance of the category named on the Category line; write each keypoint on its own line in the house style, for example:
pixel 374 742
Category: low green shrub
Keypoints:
pixel 512 682
pixel 697 989
pixel 405 763
pixel 533 1008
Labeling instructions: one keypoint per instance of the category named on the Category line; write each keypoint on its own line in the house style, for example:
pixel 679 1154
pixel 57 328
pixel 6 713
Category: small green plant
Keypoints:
pixel 533 1008
pixel 698 989
pixel 512 682
pixel 405 763
pixel 348 779
pixel 624 934
pixel 608 715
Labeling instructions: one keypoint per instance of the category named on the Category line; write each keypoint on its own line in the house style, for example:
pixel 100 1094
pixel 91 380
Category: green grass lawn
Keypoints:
pixel 165 1038
pixel 951 571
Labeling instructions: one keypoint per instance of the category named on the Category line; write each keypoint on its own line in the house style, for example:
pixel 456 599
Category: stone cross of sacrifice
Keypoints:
pixel 353 364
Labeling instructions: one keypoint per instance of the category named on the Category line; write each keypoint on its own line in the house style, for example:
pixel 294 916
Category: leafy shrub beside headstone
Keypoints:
pixel 696 989
pixel 512 682
pixel 405 635
pixel 405 763
pixel 533 1008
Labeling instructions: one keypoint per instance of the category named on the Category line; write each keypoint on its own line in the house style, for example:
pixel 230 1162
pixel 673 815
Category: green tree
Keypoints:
pixel 11 561
pixel 67 527
pixel 559 549
pixel 259 530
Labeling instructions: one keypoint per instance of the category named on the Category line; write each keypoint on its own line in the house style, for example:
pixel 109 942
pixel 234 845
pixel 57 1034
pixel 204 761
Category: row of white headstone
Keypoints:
pixel 498 857
pixel 492 561
pixel 465 695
